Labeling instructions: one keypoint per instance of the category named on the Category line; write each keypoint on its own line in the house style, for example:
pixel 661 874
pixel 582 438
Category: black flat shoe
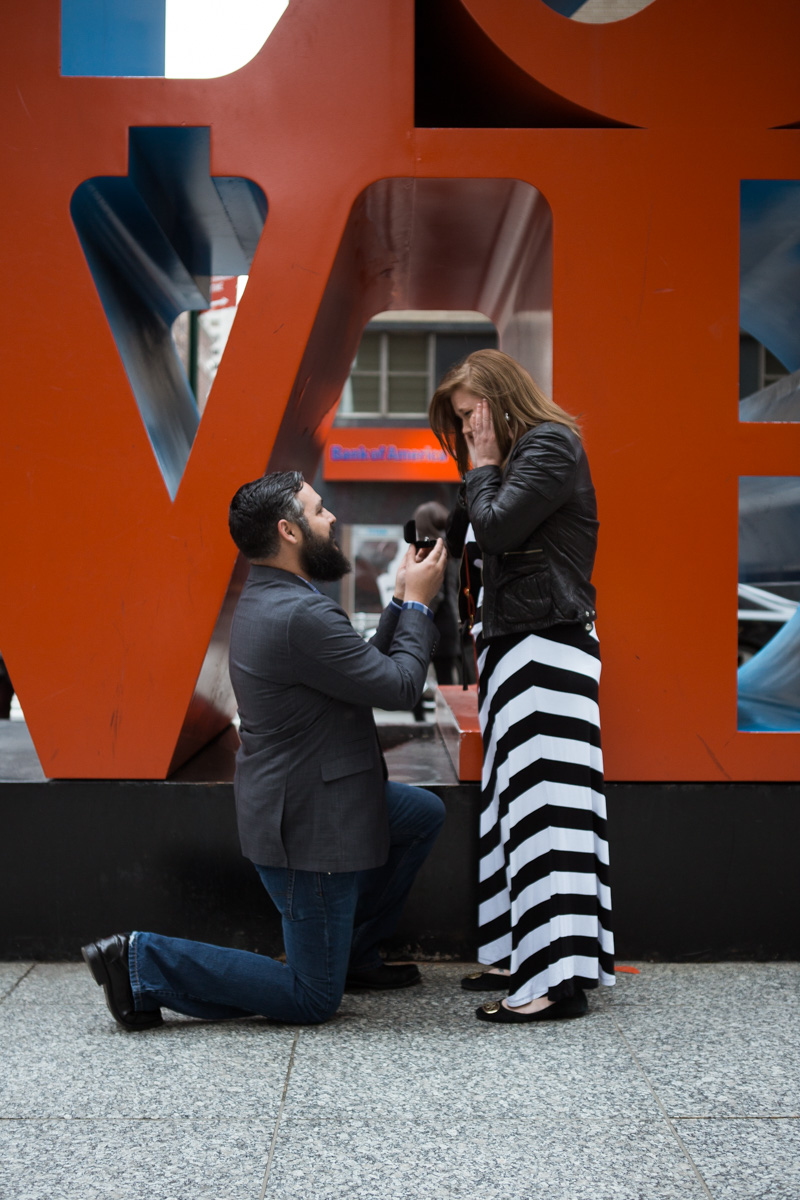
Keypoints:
pixel 387 975
pixel 485 981
pixel 563 1010
pixel 108 962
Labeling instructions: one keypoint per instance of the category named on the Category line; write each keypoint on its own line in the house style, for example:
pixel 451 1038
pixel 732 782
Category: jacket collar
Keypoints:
pixel 278 575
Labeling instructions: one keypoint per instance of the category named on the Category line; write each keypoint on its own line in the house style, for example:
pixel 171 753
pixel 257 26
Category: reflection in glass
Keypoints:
pixel 769 591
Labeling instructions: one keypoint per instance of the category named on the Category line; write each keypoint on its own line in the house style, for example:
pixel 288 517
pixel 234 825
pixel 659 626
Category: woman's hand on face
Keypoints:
pixel 484 450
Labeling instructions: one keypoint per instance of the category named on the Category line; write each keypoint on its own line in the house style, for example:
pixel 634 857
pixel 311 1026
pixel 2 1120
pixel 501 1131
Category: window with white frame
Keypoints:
pixel 393 375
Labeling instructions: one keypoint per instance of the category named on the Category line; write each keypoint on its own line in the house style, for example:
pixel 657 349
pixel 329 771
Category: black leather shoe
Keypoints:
pixel 563 1010
pixel 485 981
pixel 387 975
pixel 108 962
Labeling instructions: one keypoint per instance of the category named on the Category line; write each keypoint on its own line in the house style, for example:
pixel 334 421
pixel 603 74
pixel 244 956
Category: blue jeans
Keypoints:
pixel 330 922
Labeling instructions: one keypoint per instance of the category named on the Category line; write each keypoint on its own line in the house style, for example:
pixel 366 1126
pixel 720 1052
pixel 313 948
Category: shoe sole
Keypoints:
pixel 528 1019
pixel 505 1016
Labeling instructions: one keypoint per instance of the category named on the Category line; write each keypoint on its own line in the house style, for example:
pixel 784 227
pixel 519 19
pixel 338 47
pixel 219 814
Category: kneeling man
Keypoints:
pixel 336 846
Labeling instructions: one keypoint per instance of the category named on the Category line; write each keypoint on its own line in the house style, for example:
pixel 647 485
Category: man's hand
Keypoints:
pixel 424 572
pixel 400 579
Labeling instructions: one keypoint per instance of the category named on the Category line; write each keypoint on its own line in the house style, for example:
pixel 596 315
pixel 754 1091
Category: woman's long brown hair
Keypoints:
pixel 516 402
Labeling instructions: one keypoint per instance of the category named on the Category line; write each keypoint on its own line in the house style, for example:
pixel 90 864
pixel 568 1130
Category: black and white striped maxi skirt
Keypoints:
pixel 545 901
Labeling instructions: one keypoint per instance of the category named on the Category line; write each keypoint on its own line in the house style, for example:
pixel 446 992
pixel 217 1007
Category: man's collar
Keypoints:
pixel 280 573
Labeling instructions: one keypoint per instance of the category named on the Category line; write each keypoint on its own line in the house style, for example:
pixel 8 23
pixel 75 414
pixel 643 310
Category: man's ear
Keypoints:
pixel 286 531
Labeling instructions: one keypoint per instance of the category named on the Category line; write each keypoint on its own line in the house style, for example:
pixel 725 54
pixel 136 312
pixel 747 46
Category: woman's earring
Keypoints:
pixel 508 418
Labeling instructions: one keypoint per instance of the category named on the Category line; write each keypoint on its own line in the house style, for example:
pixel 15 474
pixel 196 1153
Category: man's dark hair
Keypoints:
pixel 257 508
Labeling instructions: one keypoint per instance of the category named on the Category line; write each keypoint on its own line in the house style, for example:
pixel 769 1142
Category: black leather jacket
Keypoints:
pixel 535 520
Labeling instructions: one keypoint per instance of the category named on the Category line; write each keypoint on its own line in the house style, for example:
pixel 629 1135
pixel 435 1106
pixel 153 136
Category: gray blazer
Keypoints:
pixel 309 780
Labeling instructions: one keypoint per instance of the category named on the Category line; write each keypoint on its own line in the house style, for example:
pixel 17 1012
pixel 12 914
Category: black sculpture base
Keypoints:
pixel 699 871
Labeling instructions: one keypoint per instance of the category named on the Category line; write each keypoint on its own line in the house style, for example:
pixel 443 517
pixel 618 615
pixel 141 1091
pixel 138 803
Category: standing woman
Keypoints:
pixel 528 516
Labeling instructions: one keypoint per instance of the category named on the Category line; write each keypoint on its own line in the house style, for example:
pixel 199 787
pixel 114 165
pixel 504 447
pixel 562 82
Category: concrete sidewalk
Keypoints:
pixel 683 1082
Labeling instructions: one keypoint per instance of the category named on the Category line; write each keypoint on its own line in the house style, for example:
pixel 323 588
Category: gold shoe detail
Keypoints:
pixel 491 1007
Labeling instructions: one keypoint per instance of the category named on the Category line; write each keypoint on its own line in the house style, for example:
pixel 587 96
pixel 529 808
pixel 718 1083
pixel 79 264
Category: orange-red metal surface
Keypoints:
pixel 457 718
pixel 111 591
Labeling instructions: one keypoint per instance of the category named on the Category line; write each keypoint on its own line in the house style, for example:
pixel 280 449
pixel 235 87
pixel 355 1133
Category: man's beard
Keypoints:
pixel 321 558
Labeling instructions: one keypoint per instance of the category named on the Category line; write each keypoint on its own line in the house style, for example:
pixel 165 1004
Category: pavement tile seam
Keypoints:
pixel 686 1089
pixel 279 1115
pixel 482 1160
pixel 412 1119
pixel 717 1116
pixel 731 1118
pixel 376 1029
pixel 669 1122
pixel 750 1160
pixel 56 1065
pixel 25 972
pixel 214 1120
pixel 363 1072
